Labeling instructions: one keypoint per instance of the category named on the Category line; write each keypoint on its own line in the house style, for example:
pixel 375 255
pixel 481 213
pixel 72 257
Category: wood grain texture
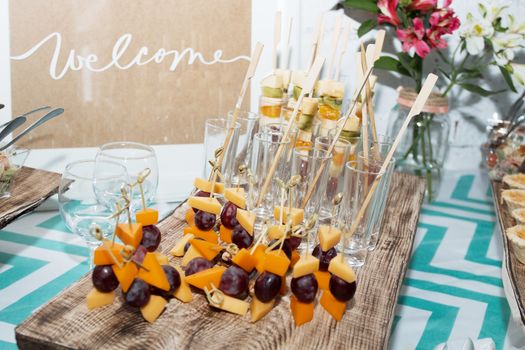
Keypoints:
pixel 515 268
pixel 30 188
pixel 65 322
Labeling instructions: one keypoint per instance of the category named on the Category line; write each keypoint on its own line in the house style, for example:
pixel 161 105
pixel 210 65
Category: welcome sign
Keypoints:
pixel 146 71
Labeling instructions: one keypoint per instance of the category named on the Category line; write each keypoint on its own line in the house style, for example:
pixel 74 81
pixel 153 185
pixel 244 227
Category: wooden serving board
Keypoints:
pixel 516 270
pixel 30 189
pixel 66 323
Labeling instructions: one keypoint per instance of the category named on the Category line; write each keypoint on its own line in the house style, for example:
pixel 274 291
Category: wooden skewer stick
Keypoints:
pixel 415 110
pixel 364 120
pixel 315 40
pixel 286 46
pixel 308 86
pixel 333 47
pixel 380 39
pixel 276 38
pixel 346 39
pixel 370 109
pixel 256 55
pixel 349 112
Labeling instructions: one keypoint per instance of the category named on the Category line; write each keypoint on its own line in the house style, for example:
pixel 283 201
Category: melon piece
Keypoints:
pixel 152 310
pixel 236 196
pixel 260 256
pixel 126 274
pixel 96 299
pixel 233 305
pixel 178 250
pixel 183 293
pixel 339 268
pixel 190 217
pixel 191 254
pixel 101 255
pixel 297 215
pixel 295 258
pixel 148 216
pixel 225 234
pixel 276 232
pixel 258 309
pixel 206 278
pixel 205 185
pixel 329 237
pixel 152 273
pixel 323 279
pixel 129 233
pixel 161 258
pixel 302 312
pixel 333 306
pixel 276 262
pixel 208 250
pixel 209 236
pixel 245 260
pixel 246 220
pixel 207 204
pixel 306 265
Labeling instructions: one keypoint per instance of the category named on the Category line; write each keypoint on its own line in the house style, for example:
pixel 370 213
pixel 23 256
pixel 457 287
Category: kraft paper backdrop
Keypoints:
pixel 153 103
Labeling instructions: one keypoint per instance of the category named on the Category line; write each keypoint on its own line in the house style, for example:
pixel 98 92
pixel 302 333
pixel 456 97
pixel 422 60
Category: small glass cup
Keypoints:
pixel 270 109
pixel 11 161
pixel 248 127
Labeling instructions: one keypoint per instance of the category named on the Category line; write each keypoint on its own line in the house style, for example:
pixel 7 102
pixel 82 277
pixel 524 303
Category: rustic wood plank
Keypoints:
pixel 31 187
pixel 65 322
pixel 515 268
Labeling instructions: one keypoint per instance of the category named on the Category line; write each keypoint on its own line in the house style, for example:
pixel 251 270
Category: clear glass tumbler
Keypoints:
pixel 248 127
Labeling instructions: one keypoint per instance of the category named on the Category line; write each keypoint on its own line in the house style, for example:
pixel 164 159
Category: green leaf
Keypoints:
pixel 474 73
pixel 390 64
pixel 366 26
pixel 508 78
pixel 366 5
pixel 478 90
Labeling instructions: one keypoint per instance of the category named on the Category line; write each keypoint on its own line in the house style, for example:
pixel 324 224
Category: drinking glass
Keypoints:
pixel 270 109
pixel 358 181
pixel 248 127
pixel 79 206
pixel 11 161
pixel 215 131
pixel 135 157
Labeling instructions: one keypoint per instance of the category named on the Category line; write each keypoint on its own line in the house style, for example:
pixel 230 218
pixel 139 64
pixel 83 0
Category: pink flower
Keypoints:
pixel 413 37
pixel 388 12
pixel 422 5
pixel 434 38
pixel 444 20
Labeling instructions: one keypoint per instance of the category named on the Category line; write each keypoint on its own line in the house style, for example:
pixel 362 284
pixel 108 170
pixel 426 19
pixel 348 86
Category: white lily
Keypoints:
pixel 518 73
pixel 475 31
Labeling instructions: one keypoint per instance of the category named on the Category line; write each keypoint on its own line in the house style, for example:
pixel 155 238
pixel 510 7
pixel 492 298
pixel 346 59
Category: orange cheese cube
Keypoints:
pixel 233 305
pixel 152 273
pixel 208 250
pixel 161 258
pixel 129 233
pixel 148 216
pixel 302 312
pixel 190 217
pixel 206 277
pixel 329 236
pixel 276 232
pixel 276 262
pixel 207 204
pixel 246 220
pixel 102 257
pixel 209 236
pixel 340 268
pixel 205 186
pixel 178 250
pixel 295 258
pixel 245 260
pixel 260 256
pixel 306 265
pixel 323 279
pixel 183 293
pixel 258 309
pixel 191 254
pixel 152 310
pixel 225 234
pixel 126 274
pixel 96 299
pixel 333 306
pixel 236 196
pixel 297 215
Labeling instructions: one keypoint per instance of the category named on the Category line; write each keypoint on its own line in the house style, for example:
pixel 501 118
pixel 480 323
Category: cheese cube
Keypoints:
pixel 333 306
pixel 329 237
pixel 101 255
pixel 276 231
pixel 207 204
pixel 306 265
pixel 295 258
pixel 191 254
pixel 152 310
pixel 209 236
pixel 183 293
pixel 129 233
pixel 190 217
pixel 208 250
pixel 205 186
pixel 206 278
pixel 161 258
pixel 258 309
pixel 125 275
pixel 260 256
pixel 339 268
pixel 96 299
pixel 244 260
pixel 153 273
pixel 276 262
pixel 178 250
pixel 323 279
pixel 148 216
pixel 225 234
pixel 233 305
pixel 302 312
pixel 236 196
pixel 297 215
pixel 246 220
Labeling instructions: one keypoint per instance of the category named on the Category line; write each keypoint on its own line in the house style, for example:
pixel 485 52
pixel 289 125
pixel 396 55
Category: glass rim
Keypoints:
pixel 221 119
pixel 85 161
pixel 248 115
pixel 346 142
pixel 349 166
pixel 136 145
pixel 260 134
pixel 360 154
pixel 297 150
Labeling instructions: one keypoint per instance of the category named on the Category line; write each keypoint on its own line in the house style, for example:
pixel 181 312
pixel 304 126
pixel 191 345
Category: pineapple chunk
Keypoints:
pixel 205 186
pixel 339 268
pixel 207 204
pixel 258 309
pixel 183 293
pixel 246 220
pixel 328 237
pixel 297 215
pixel 233 305
pixel 306 265
pixel 236 196
pixel 97 299
pixel 152 310
pixel 178 250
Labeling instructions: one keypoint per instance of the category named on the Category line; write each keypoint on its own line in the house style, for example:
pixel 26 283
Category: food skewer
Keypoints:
pixel 286 46
pixel 333 47
pixel 346 39
pixel 276 38
pixel 316 43
pixel 364 124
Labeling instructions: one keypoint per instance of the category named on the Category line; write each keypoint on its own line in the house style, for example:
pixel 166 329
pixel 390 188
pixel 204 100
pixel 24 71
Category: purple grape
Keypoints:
pixel 293 242
pixel 197 265
pixel 138 294
pixel 267 286
pixel 342 290
pixel 204 220
pixel 324 257
pixel 304 288
pixel 174 280
pixel 234 282
pixel 104 278
pixel 241 237
pixel 286 248
pixel 200 194
pixel 150 237
pixel 229 215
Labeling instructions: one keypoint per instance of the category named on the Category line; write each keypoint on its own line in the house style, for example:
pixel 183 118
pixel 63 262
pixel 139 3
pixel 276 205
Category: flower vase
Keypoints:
pixel 424 147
